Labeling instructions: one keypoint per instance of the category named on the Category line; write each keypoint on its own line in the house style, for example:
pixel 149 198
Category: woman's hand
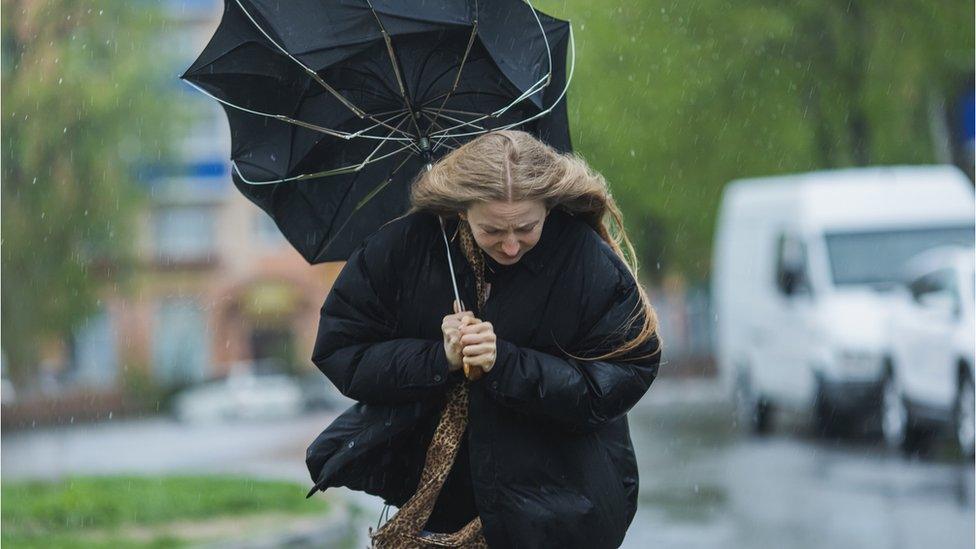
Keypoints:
pixel 478 341
pixel 452 336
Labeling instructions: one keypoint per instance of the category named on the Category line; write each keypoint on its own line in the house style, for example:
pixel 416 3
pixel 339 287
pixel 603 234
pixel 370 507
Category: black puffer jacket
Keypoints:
pixel 548 460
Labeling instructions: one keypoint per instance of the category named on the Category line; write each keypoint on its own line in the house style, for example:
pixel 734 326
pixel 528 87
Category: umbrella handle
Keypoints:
pixel 450 263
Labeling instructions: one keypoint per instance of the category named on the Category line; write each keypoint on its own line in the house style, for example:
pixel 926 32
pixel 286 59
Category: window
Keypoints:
pixel 875 257
pixel 95 360
pixel 791 265
pixel 184 233
pixel 181 349
pixel 266 232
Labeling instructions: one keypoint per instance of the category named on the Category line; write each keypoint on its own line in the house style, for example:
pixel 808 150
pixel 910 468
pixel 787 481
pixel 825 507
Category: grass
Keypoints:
pixel 137 511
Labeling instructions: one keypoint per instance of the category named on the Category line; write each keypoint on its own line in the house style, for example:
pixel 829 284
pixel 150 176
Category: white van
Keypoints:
pixel 803 266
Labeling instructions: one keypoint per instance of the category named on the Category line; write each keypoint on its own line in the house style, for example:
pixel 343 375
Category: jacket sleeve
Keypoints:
pixel 356 346
pixel 576 395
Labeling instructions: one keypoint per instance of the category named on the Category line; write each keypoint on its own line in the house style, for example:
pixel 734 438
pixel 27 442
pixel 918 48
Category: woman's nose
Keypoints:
pixel 510 247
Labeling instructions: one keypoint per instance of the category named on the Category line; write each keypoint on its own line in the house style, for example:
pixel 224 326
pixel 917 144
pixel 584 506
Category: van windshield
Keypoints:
pixel 876 257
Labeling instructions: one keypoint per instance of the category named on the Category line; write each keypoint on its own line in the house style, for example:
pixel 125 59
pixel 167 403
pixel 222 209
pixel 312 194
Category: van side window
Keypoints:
pixel 791 265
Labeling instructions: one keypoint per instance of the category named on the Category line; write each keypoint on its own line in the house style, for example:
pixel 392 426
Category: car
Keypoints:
pixel 243 394
pixel 928 379
pixel 805 268
pixel 8 393
pixel 320 393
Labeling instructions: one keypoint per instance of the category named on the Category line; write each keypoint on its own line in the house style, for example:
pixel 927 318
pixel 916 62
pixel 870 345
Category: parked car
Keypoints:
pixel 803 271
pixel 241 395
pixel 8 394
pixel 928 378
pixel 319 393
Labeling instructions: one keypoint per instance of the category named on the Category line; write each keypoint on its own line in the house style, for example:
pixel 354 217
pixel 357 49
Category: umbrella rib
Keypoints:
pixel 541 84
pixel 569 78
pixel 457 77
pixel 458 120
pixel 326 173
pixel 384 113
pixel 314 75
pixel 378 147
pixel 396 67
pixel 490 94
pixel 365 199
pixel 293 121
pixel 433 122
pixel 335 171
pixel 455 111
pixel 388 137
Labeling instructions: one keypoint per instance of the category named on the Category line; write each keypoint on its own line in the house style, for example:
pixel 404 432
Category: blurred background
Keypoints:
pixel 797 177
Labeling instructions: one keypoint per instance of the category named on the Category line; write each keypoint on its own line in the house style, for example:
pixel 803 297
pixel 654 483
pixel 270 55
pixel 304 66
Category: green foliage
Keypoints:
pixel 83 100
pixel 671 100
pixel 43 512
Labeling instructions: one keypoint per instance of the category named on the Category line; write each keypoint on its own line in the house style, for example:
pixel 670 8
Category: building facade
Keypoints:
pixel 217 284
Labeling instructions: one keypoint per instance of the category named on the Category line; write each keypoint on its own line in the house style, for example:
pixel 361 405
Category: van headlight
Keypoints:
pixel 859 362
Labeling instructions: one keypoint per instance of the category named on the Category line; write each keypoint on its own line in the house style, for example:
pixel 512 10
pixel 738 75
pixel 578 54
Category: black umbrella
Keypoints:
pixel 334 105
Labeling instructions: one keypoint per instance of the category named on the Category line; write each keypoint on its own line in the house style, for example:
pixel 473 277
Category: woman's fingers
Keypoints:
pixel 480 349
pixel 477 333
pixel 454 321
pixel 478 327
pixel 484 360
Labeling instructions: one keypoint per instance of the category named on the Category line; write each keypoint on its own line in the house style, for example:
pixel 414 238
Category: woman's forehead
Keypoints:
pixel 525 211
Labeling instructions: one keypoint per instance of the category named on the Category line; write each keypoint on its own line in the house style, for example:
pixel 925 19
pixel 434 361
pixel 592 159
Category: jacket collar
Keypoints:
pixel 534 260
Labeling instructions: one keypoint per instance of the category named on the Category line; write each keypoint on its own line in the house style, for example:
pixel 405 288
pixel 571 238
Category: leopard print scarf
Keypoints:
pixel 403 530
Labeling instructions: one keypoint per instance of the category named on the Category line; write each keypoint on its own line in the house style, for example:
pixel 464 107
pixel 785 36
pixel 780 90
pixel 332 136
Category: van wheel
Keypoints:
pixel 897 425
pixel 752 411
pixel 963 416
pixel 827 422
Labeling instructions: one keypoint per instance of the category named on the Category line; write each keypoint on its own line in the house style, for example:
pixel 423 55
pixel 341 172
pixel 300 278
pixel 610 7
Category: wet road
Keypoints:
pixel 702 484
pixel 705 485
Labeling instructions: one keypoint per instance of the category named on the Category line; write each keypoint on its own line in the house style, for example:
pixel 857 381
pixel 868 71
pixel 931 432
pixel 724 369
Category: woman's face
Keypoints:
pixel 506 230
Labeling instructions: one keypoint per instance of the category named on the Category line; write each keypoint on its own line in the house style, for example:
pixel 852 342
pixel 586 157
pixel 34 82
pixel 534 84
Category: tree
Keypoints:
pixel 82 103
pixel 671 100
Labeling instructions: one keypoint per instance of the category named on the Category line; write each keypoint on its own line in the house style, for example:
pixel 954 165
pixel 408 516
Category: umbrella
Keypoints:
pixel 334 106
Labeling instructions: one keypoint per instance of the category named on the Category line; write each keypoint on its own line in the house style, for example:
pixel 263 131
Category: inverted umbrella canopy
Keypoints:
pixel 335 105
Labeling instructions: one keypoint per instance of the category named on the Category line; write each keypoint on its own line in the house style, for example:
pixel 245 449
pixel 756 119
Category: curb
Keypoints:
pixel 332 530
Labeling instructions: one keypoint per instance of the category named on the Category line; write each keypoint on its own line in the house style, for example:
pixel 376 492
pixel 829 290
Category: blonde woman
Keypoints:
pixel 502 423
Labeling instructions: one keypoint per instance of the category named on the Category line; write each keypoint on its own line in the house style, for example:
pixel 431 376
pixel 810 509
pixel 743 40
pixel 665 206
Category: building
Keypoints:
pixel 217 283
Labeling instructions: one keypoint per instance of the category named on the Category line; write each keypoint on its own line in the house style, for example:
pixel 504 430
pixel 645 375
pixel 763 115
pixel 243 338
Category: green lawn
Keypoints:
pixel 141 511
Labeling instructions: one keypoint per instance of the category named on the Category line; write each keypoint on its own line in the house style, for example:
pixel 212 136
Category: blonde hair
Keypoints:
pixel 513 166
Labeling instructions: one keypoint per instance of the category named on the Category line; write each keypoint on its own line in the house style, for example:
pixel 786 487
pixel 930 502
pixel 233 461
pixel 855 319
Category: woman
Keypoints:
pixel 503 425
